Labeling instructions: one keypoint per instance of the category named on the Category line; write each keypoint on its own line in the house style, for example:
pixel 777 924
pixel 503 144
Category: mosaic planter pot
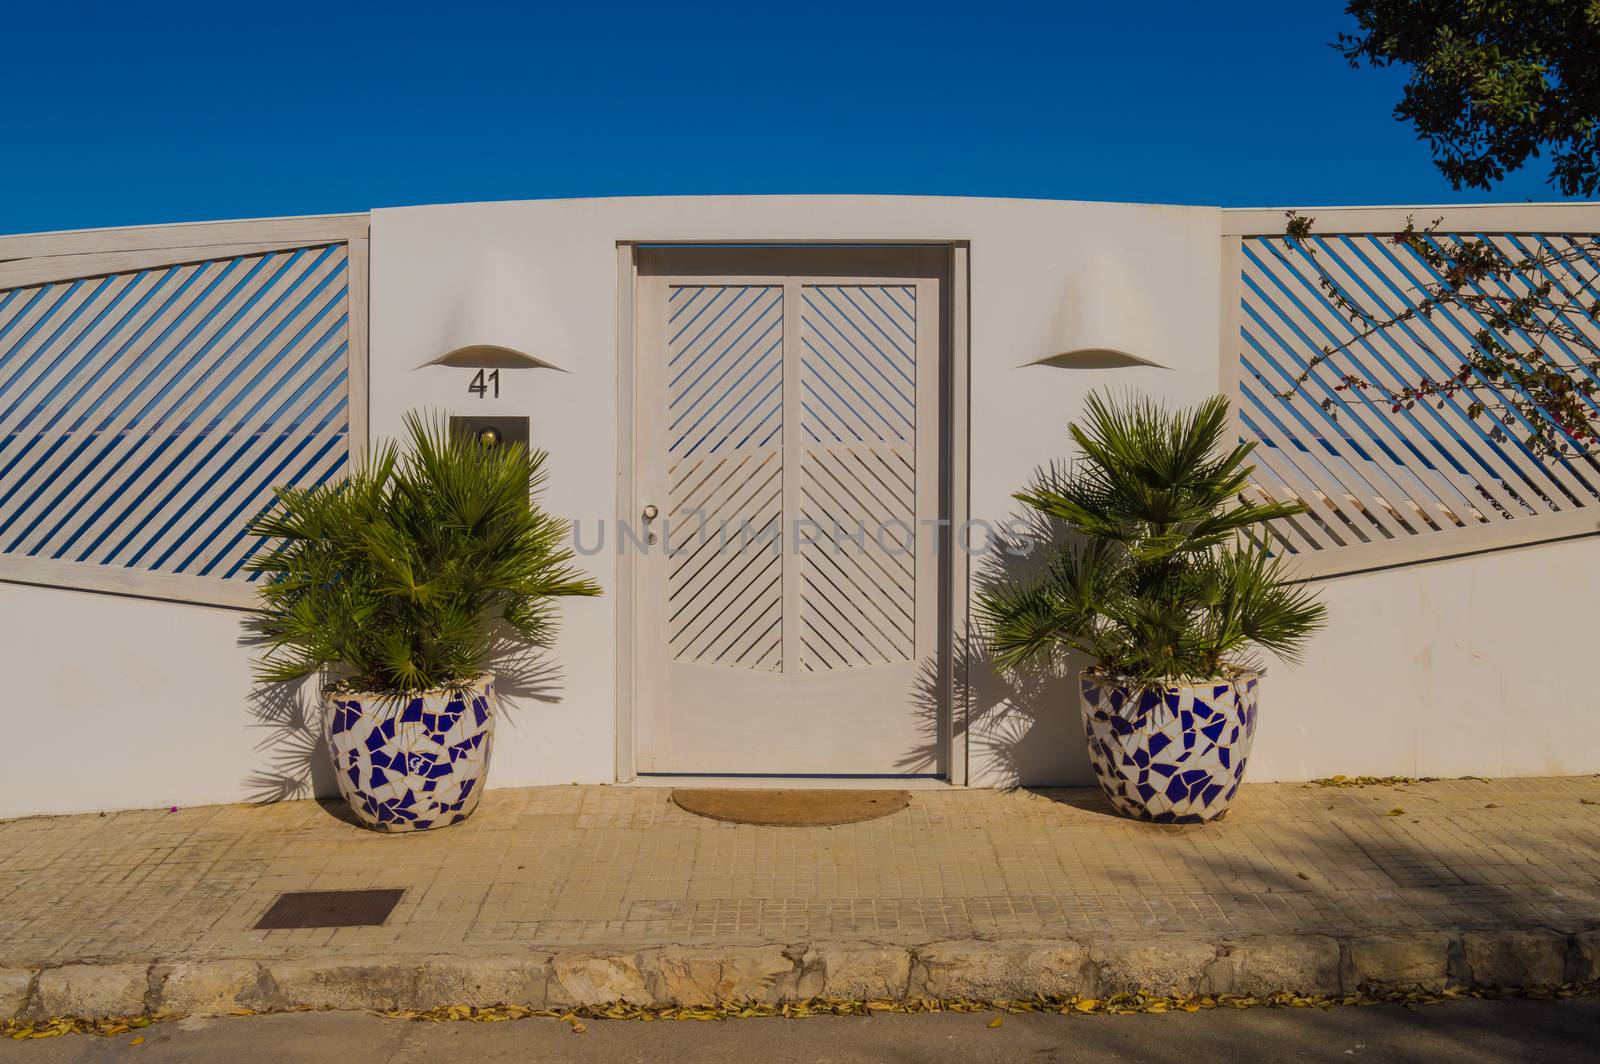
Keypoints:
pixel 1174 754
pixel 413 762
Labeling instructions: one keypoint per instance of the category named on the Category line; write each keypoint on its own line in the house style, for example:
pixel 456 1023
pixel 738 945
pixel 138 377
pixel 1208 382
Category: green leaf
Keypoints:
pixel 1156 566
pixel 400 577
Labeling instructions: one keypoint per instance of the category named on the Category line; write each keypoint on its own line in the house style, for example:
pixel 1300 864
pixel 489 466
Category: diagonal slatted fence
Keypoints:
pixel 858 367
pixel 725 426
pixel 156 384
pixel 1381 486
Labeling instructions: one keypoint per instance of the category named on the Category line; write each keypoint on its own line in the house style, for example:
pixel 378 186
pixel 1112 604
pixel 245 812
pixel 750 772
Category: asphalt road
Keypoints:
pixel 1459 1033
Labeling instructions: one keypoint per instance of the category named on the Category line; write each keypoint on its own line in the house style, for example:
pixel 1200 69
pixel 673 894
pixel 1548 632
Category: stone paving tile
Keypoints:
pixel 622 866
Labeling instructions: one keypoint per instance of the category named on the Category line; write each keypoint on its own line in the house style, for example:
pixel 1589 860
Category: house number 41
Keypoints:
pixel 482 385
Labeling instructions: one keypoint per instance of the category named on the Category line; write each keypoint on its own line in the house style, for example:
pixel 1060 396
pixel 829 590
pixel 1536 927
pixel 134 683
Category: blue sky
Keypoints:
pixel 133 112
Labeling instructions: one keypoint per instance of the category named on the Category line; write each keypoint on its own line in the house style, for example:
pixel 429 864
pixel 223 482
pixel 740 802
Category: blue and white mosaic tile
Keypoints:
pixel 415 762
pixel 1172 754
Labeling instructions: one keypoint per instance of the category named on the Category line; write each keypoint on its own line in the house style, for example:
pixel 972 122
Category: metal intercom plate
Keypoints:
pixel 492 430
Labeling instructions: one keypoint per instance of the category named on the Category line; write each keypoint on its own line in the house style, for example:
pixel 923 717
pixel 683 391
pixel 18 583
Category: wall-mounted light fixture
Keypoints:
pixel 1105 315
pixel 1094 358
pixel 490 356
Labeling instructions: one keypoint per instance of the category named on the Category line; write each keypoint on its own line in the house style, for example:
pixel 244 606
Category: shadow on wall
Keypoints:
pixel 297 764
pixel 1023 728
pixel 294 748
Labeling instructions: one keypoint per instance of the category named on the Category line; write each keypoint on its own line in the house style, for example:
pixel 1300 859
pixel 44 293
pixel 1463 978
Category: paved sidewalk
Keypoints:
pixel 592 868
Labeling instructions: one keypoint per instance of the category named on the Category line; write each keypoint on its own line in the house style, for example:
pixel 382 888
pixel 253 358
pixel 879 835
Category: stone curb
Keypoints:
pixel 684 975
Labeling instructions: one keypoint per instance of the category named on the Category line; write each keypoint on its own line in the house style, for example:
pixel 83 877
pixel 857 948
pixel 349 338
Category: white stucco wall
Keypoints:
pixel 117 703
pixel 540 277
pixel 1466 666
pixel 1470 666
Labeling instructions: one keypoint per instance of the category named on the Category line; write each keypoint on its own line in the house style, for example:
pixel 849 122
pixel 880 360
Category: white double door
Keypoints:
pixel 786 536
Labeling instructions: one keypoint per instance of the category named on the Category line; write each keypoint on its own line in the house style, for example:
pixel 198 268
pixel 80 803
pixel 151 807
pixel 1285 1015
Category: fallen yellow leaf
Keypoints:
pixel 995 1022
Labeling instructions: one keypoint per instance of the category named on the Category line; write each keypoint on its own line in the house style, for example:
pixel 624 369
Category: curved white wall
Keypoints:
pixel 1462 667
pixel 541 277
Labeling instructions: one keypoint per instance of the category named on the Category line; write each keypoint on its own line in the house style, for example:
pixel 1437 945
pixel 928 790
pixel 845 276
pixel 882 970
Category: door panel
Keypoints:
pixel 858 379
pixel 724 413
pixel 787 590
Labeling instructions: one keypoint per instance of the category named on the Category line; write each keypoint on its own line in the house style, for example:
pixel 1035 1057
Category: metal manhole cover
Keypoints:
pixel 329 908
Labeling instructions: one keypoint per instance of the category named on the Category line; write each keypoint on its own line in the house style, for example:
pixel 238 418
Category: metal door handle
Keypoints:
pixel 650 512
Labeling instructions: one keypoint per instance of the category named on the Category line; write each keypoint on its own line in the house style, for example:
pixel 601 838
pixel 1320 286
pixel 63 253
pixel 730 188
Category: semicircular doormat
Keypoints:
pixel 790 808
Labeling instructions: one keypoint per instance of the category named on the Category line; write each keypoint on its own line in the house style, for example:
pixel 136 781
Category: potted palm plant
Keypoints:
pixel 400 586
pixel 1163 574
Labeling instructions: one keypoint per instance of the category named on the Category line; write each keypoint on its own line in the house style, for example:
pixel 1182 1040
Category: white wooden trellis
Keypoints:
pixel 156 383
pixel 1382 487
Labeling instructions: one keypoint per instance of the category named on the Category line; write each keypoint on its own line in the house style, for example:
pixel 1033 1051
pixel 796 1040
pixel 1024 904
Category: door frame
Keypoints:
pixel 955 628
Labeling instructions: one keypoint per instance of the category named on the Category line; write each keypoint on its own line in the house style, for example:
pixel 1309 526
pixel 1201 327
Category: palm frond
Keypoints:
pixel 396 578
pixel 1176 578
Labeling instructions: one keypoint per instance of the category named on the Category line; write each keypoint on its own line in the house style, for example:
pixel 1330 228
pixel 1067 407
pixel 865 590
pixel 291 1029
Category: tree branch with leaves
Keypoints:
pixel 1493 83
pixel 1530 366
